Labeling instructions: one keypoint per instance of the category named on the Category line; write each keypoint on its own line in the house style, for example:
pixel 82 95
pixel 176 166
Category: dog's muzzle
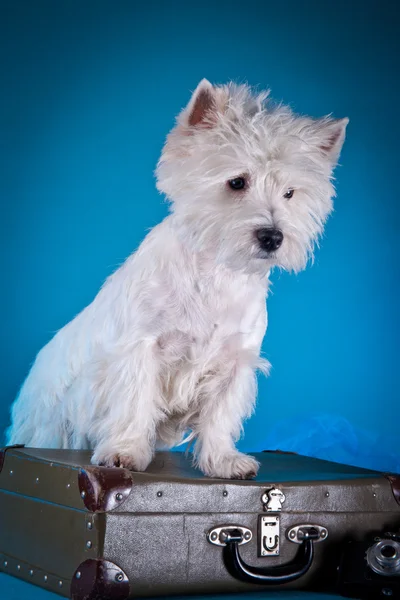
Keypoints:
pixel 269 239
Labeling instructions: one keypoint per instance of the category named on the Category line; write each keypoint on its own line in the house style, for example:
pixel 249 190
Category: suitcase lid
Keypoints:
pixel 172 484
pixel 275 465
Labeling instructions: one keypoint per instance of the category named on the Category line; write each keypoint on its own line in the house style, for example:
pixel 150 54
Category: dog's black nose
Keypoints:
pixel 270 239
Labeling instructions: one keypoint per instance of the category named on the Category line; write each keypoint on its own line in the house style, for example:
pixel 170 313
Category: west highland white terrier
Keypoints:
pixel 171 343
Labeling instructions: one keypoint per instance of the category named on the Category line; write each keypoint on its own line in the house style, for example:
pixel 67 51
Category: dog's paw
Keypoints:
pixel 124 461
pixel 135 461
pixel 235 465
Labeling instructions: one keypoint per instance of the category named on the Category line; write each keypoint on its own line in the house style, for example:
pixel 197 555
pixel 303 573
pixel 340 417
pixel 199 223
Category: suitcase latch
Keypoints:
pixel 220 536
pixel 269 536
pixel 299 533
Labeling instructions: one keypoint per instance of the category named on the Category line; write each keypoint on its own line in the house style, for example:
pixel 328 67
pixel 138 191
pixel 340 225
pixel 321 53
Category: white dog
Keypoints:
pixel 171 343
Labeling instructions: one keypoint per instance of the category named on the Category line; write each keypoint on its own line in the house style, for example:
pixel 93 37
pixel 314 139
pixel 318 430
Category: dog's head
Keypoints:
pixel 249 182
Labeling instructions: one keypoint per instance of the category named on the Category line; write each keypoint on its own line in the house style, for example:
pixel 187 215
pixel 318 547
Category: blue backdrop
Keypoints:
pixel 89 91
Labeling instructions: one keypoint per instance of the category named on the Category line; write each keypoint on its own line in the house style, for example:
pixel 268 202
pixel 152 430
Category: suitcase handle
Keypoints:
pixel 291 571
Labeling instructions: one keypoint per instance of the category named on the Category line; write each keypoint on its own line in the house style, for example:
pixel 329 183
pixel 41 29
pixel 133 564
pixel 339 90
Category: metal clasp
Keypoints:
pixel 220 536
pixel 269 536
pixel 299 533
pixel 273 500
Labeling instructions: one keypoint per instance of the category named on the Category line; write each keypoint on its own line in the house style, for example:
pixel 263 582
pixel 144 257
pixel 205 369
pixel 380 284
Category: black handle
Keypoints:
pixel 295 569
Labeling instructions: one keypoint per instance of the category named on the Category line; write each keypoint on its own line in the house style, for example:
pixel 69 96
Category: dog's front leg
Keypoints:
pixel 129 391
pixel 228 398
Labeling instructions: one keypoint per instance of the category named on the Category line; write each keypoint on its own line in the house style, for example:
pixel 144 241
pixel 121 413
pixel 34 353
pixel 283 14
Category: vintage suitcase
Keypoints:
pixel 90 532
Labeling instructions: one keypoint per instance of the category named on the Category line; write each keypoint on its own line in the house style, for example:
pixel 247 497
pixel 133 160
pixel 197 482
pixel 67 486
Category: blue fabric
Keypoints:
pixel 334 438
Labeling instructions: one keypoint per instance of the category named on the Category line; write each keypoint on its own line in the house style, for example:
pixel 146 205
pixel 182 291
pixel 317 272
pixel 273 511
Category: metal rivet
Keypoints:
pixel 11 472
pixel 68 485
pixel 78 575
pixel 5 563
pixel 37 480
pixel 18 567
pixel 326 494
pixel 45 578
pixel 60 583
pixel 374 495
pixel 159 494
pixel 247 535
pixel 89 525
pixel 225 493
pixel 214 536
pixel 119 496
pixel 292 535
pixel 119 577
pixel 83 494
pixel 323 534
pixel 88 544
pixel 31 572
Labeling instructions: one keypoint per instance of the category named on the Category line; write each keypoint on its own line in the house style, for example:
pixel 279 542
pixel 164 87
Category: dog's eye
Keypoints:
pixel 289 194
pixel 238 183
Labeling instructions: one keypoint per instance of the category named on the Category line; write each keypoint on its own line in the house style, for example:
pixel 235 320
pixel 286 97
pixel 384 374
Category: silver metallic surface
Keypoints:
pixel 216 536
pixel 273 500
pixel 269 535
pixel 384 558
pixel 294 534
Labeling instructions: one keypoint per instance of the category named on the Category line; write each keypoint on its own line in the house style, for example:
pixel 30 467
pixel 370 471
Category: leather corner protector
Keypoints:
pixel 104 488
pixel 3 453
pixel 97 578
pixel 394 481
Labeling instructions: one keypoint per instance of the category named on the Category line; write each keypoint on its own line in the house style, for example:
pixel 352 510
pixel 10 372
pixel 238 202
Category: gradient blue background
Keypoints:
pixel 89 91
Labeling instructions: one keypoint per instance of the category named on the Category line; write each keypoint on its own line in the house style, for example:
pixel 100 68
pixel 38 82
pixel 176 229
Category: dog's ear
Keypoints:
pixel 202 108
pixel 331 135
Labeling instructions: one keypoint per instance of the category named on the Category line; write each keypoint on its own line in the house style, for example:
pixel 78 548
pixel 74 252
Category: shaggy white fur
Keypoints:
pixel 172 341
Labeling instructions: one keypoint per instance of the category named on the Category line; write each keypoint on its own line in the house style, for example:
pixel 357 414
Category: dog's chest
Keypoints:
pixel 215 319
pixel 233 306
